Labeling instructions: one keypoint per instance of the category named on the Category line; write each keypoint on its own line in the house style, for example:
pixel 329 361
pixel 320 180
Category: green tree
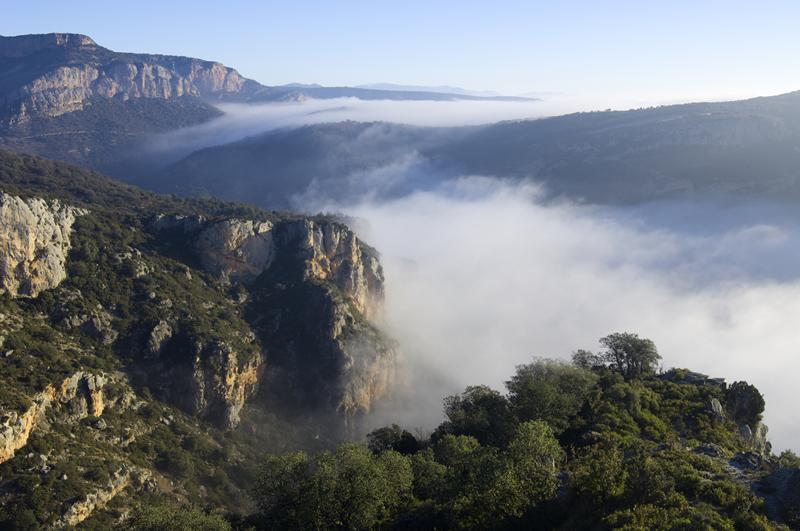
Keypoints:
pixel 171 518
pixel 480 412
pixel 745 403
pixel 549 390
pixel 351 488
pixel 392 438
pixel 630 355
pixel 598 472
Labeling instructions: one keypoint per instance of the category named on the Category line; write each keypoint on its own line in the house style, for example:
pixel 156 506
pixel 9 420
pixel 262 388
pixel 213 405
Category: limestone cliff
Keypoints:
pixel 212 381
pixel 64 72
pixel 83 508
pixel 35 236
pixel 81 394
pixel 317 294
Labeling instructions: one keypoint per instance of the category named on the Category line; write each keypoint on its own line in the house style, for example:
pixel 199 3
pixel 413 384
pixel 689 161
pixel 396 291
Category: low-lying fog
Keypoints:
pixel 243 120
pixel 481 276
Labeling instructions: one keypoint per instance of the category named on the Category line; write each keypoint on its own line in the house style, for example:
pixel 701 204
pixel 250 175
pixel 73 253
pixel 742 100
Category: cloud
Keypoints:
pixel 242 120
pixel 482 276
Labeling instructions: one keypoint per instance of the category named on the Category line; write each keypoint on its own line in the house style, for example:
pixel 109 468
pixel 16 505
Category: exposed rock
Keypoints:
pixel 158 336
pixel 83 508
pixel 215 384
pixel 711 450
pixel 784 484
pixel 90 71
pixel 81 393
pixel 717 410
pixel 747 461
pixel 330 347
pixel 235 249
pixel 334 253
pixel 36 237
pixel 756 439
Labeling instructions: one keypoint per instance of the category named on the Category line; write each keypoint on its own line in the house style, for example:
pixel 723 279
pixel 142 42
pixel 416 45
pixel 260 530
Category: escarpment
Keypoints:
pixel 148 342
pixel 35 237
pixel 314 292
pixel 79 396
pixel 64 73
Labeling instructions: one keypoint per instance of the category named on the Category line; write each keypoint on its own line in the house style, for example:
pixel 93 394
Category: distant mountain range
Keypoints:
pixel 747 149
pixel 444 89
pixel 64 96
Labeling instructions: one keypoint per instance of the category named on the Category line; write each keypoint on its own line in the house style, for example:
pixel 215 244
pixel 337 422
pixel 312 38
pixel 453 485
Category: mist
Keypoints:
pixel 484 275
pixel 242 120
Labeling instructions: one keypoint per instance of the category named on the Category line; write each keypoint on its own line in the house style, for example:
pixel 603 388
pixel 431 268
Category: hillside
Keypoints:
pixel 154 347
pixel 193 364
pixel 735 150
pixel 66 97
pixel 604 442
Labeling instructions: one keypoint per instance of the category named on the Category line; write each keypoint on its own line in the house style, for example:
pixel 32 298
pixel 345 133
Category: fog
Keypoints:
pixel 243 120
pixel 482 276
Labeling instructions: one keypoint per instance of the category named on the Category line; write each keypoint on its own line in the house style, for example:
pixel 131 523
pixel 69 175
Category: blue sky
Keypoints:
pixel 608 50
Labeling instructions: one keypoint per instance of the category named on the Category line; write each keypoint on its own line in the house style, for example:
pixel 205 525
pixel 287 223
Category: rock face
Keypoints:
pixel 66 71
pixel 208 380
pixel 81 394
pixel 756 438
pixel 317 293
pixel 235 249
pixel 785 484
pixel 83 508
pixel 332 252
pixel 35 236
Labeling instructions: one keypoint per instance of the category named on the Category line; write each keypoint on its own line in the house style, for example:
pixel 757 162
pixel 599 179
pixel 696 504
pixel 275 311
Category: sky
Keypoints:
pixel 618 53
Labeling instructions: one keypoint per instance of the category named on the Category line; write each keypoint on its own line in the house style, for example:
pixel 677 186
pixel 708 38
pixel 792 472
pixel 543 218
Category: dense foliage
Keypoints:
pixel 603 442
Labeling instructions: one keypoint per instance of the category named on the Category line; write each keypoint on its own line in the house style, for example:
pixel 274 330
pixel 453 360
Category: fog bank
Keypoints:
pixel 481 276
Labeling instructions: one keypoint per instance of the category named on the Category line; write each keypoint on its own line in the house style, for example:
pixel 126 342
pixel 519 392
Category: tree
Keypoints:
pixel 745 403
pixel 351 488
pixel 480 412
pixel 586 359
pixel 549 390
pixel 598 472
pixel 392 438
pixel 170 518
pixel 630 355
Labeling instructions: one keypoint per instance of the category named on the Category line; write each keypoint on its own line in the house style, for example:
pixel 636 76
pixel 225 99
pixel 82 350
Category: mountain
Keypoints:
pixel 740 149
pixel 446 89
pixel 150 343
pixel 66 97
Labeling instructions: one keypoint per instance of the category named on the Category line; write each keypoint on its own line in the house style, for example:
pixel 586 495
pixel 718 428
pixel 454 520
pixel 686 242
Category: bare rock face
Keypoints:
pixel 236 249
pixel 80 395
pixel 334 253
pixel 85 70
pixel 211 381
pixel 35 236
pixel 327 346
pixel 83 508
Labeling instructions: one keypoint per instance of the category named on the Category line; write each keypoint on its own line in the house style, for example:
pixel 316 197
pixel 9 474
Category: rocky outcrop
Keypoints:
pixel 81 394
pixel 756 439
pixel 784 485
pixel 84 70
pixel 35 236
pixel 82 509
pixel 241 249
pixel 329 344
pixel 332 252
pixel 236 249
pixel 211 381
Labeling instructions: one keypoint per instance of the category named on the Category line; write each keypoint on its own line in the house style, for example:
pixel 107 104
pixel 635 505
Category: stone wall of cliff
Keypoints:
pixel 35 236
pixel 86 71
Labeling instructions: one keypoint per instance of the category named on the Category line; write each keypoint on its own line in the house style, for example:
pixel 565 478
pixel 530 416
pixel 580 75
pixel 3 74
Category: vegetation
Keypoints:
pixel 604 442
